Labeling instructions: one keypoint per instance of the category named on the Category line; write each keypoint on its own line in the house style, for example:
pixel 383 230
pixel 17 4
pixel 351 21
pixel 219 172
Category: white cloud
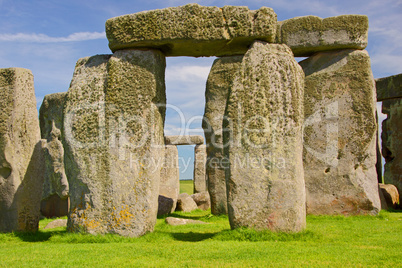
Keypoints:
pixel 192 73
pixel 43 38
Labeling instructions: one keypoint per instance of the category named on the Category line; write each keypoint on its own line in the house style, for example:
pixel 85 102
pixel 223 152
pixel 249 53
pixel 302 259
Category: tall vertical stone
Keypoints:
pixel 20 152
pixel 340 134
pixel 392 143
pixel 113 128
pixel 200 161
pixel 263 129
pixel 169 187
pixel 55 201
pixel 219 81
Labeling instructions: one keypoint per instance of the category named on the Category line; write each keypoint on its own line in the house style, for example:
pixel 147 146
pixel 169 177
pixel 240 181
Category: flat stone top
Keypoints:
pixel 389 87
pixel 184 140
pixel 193 30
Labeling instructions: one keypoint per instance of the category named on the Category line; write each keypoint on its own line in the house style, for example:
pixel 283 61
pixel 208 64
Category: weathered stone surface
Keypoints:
pixel 202 200
pixel 391 195
pixel 56 224
pixel 21 152
pixel 200 162
pixel 264 114
pixel 193 30
pixel 51 112
pixel 114 142
pixel 169 187
pixel 310 34
pixel 391 137
pixel 219 82
pixel 185 203
pixel 54 206
pixel 389 87
pixel 184 140
pixel 340 134
pixel 179 221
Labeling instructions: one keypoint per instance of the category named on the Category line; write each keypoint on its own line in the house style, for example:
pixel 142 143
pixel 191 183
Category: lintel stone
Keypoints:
pixel 193 30
pixel 310 34
pixel 184 140
pixel 389 87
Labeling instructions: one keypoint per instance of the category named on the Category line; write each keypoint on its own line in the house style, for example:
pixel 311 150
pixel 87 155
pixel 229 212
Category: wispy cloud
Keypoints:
pixel 43 38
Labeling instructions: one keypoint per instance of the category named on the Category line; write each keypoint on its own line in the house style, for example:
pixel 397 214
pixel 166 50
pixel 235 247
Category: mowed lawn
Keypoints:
pixel 329 241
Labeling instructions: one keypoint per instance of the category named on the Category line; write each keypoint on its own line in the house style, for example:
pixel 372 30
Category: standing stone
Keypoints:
pixel 169 187
pixel 340 134
pixel 392 143
pixel 200 161
pixel 113 128
pixel 20 152
pixel 219 81
pixel 265 183
pixel 54 202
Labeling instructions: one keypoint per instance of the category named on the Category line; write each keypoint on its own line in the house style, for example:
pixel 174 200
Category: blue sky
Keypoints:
pixel 49 36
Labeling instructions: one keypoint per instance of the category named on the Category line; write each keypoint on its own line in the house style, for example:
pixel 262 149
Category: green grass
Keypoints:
pixel 329 241
pixel 187 187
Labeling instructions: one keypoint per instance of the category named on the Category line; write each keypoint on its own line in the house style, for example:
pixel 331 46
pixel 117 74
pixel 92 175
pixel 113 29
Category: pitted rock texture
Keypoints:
pixel 113 131
pixel 219 81
pixel 193 30
pixel 169 187
pixel 263 131
pixel 340 134
pixel 391 137
pixel 21 152
pixel 310 34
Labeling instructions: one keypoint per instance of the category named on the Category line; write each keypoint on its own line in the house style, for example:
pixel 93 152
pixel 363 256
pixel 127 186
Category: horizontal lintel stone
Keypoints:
pixel 193 30
pixel 389 87
pixel 184 140
pixel 311 34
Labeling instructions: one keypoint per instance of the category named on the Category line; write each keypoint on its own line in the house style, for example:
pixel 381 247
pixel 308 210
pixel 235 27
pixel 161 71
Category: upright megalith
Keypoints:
pixel 340 134
pixel 193 30
pixel 200 162
pixel 219 81
pixel 20 152
pixel 169 187
pixel 55 200
pixel 113 129
pixel 263 130
pixel 310 34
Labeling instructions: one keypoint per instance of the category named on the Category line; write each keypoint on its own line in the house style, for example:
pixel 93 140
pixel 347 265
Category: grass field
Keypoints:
pixel 187 187
pixel 363 241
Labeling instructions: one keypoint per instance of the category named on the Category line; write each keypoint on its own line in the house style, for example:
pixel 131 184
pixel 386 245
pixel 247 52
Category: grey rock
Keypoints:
pixel 179 221
pixel 340 134
pixel 391 137
pixel 200 162
pixel 185 203
pixel 310 34
pixel 51 112
pixel 184 140
pixel 56 224
pixel 113 127
pixel 389 87
pixel 263 130
pixel 193 30
pixel 219 82
pixel 21 152
pixel 202 200
pixel 169 187
pixel 54 206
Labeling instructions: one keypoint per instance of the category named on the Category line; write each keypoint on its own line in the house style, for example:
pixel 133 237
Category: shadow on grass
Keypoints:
pixel 38 236
pixel 192 237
